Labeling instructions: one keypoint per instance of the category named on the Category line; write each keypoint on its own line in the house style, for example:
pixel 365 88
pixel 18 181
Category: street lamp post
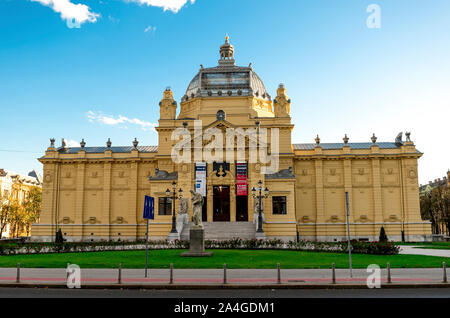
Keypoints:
pixel 174 196
pixel 259 196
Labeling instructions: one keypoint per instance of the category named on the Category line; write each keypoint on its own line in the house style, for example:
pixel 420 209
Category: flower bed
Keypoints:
pixel 381 248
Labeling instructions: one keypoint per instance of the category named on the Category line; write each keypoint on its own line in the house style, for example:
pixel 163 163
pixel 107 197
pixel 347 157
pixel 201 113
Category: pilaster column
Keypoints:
pixel 209 203
pixel 232 203
pixel 79 205
pixel 106 219
pixel 320 212
pixel 348 187
pixel 377 196
pixel 134 214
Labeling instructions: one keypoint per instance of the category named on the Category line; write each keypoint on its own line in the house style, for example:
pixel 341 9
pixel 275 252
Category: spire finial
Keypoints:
pixel 227 38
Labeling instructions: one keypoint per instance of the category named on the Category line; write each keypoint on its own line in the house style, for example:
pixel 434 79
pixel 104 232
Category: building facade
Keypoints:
pixel 435 206
pixel 95 193
pixel 444 182
pixel 14 186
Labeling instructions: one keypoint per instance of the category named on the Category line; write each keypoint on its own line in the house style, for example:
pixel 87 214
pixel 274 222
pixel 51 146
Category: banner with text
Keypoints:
pixel 241 179
pixel 200 178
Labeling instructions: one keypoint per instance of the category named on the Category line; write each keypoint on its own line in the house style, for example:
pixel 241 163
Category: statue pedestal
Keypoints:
pixel 197 243
pixel 173 237
pixel 260 236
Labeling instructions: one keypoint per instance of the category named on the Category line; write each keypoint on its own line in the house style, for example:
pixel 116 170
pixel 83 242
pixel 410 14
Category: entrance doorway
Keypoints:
pixel 204 209
pixel 242 208
pixel 221 203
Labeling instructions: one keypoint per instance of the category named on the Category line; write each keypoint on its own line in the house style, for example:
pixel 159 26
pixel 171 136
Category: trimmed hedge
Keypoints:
pixel 381 248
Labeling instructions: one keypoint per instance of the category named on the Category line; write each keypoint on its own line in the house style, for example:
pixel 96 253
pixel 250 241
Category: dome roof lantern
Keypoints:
pixel 227 53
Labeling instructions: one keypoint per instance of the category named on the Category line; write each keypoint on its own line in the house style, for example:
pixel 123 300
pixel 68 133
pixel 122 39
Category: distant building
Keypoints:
pixel 444 182
pixel 14 186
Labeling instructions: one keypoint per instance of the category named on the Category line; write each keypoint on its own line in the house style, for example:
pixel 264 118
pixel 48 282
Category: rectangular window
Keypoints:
pixel 279 205
pixel 164 206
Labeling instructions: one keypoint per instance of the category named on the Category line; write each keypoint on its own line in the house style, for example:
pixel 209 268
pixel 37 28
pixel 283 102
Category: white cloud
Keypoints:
pixel 72 143
pixel 172 5
pixel 69 11
pixel 119 121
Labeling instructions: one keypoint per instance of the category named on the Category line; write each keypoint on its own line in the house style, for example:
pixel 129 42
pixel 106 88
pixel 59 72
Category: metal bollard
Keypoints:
pixel 444 272
pixel 389 279
pixel 278 274
pixel 224 273
pixel 171 274
pixel 18 273
pixel 333 273
pixel 119 279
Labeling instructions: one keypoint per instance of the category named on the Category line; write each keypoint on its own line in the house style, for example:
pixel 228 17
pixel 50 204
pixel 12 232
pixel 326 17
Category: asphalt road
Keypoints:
pixel 223 294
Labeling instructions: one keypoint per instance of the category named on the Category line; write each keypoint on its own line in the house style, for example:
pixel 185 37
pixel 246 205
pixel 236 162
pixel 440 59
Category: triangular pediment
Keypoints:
pixel 223 125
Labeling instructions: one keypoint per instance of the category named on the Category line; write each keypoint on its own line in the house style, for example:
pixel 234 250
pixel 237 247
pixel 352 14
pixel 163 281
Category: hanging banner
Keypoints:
pixel 200 178
pixel 241 179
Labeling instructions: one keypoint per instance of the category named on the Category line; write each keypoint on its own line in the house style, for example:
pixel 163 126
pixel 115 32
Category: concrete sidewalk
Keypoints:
pixel 416 250
pixel 215 277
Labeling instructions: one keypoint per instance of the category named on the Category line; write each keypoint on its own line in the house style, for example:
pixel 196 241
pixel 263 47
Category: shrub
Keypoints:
pixel 385 248
pixel 383 236
pixel 59 237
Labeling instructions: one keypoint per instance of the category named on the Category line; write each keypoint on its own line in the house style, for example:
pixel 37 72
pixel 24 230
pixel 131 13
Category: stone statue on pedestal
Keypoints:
pixel 256 212
pixel 196 232
pixel 182 218
pixel 197 204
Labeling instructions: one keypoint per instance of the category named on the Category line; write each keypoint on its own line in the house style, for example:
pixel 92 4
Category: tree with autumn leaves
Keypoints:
pixel 435 207
pixel 20 215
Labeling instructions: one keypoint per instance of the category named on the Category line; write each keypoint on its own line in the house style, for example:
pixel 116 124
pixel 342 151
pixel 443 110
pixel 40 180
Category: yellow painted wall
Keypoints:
pixel 100 196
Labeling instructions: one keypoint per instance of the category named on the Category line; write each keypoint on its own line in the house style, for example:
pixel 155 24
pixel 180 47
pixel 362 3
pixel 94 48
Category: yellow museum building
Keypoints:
pixel 97 193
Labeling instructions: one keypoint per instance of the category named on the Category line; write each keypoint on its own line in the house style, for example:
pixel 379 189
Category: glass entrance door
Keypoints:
pixel 221 203
pixel 242 208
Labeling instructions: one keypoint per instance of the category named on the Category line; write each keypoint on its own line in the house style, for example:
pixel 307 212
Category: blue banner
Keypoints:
pixel 149 208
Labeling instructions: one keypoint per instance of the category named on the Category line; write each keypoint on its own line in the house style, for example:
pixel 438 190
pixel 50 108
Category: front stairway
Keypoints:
pixel 224 230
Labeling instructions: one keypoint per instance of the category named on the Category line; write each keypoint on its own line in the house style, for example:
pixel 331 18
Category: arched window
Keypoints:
pixel 220 115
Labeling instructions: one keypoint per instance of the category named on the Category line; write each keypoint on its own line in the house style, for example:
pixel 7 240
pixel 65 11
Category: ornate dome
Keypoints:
pixel 226 79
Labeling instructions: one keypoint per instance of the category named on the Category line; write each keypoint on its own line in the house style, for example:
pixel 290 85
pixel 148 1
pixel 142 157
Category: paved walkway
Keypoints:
pixel 412 250
pixel 215 276
pixel 221 295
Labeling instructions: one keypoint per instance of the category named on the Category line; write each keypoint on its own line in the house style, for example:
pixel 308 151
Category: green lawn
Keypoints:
pixel 233 259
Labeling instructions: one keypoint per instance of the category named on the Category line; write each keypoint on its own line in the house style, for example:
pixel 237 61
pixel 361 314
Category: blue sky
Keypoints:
pixel 105 79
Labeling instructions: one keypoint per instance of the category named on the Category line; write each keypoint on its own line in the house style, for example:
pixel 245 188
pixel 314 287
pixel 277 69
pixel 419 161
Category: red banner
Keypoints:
pixel 241 179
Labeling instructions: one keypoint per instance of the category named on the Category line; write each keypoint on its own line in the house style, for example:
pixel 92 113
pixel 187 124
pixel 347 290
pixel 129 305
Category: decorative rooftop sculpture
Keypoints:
pixel 374 138
pixel 398 139
pixel 408 136
pixel 346 139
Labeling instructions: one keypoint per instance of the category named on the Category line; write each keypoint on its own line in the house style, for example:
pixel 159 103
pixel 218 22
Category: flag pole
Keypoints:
pixel 146 252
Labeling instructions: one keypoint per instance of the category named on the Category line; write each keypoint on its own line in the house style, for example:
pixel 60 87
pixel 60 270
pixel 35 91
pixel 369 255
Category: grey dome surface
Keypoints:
pixel 226 81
